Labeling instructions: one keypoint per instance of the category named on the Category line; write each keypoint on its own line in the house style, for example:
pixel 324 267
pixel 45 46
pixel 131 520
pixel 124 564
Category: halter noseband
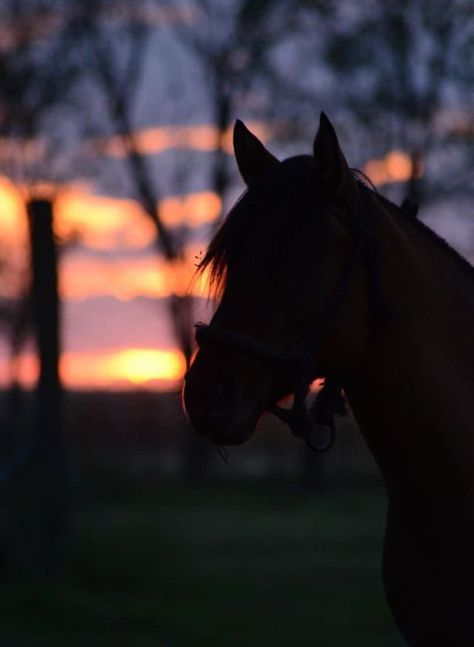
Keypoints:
pixel 298 362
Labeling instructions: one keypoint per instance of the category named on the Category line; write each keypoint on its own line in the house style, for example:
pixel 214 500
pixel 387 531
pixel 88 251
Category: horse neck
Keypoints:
pixel 411 394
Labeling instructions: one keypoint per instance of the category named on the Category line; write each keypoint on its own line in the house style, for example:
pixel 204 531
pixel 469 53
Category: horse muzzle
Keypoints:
pixel 219 412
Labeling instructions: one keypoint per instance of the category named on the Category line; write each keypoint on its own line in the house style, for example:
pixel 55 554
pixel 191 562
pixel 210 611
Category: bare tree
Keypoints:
pixel 114 56
pixel 234 44
pixel 404 71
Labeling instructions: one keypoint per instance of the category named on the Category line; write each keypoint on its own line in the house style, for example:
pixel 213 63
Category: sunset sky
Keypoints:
pixel 116 332
pixel 114 284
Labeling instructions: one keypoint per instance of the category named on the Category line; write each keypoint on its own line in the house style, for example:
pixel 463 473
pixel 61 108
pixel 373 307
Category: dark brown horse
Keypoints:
pixel 318 275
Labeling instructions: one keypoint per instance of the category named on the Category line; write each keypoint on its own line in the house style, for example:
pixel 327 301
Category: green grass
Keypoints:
pixel 222 565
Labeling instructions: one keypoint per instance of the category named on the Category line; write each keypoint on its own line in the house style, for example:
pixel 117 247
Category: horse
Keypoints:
pixel 318 275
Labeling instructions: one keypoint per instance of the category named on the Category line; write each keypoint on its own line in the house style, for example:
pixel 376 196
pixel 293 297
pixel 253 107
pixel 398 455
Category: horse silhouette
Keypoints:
pixel 319 275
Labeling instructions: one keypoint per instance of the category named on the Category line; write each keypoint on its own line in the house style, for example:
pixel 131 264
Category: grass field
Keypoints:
pixel 226 564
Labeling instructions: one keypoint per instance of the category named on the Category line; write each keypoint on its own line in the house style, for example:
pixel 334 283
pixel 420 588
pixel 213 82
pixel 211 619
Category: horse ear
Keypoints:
pixel 252 157
pixel 332 165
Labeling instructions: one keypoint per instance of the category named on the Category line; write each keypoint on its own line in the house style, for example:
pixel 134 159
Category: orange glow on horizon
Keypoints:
pixel 142 365
pixel 123 368
pixel 119 369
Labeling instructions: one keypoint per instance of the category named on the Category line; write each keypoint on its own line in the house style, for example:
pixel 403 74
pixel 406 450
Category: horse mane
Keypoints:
pixel 225 244
pixel 429 233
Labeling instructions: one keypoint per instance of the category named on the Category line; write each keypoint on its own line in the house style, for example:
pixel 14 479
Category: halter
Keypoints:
pixel 298 362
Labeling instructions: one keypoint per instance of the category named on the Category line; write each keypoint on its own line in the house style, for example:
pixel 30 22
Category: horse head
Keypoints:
pixel 284 265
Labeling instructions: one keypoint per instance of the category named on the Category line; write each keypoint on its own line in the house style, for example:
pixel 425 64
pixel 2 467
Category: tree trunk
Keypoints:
pixel 37 488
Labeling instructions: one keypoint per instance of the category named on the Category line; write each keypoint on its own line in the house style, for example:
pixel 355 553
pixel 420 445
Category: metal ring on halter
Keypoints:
pixel 327 446
pixel 285 416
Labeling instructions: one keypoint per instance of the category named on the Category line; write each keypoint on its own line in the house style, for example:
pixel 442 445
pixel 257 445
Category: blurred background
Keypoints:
pixel 118 526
